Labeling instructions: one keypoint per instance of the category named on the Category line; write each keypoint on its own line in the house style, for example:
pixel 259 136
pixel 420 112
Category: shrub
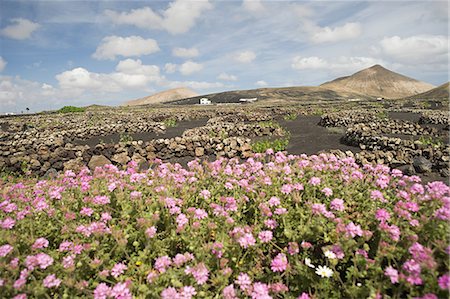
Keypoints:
pixel 71 109
pixel 279 144
pixel 274 225
pixel 170 122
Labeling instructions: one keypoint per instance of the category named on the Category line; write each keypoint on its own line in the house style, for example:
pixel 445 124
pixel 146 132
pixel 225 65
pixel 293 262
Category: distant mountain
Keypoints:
pixel 300 93
pixel 377 81
pixel 163 97
pixel 440 92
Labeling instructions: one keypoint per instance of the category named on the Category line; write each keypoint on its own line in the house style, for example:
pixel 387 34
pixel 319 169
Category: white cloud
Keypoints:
pixel 129 74
pixel 416 49
pixel 144 18
pixel 179 17
pixel 112 46
pixel 190 67
pixel 185 52
pixel 20 29
pixel 226 77
pixel 343 64
pixel 245 56
pixel 254 6
pixel 80 78
pixel 170 68
pixel 313 62
pixel 328 34
pixel 261 83
pixel 195 84
pixel 3 64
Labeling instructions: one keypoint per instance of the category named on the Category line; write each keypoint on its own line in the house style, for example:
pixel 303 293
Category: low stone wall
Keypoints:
pixel 347 118
pixel 435 117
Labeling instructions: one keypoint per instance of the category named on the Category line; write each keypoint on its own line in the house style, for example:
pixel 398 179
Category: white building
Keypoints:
pixel 205 101
pixel 248 100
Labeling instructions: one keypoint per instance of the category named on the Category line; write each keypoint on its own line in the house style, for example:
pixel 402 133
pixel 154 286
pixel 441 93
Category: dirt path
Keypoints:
pixel 145 136
pixel 307 137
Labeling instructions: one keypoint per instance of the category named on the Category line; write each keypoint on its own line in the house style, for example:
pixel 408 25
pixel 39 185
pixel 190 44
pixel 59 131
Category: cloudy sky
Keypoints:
pixel 56 53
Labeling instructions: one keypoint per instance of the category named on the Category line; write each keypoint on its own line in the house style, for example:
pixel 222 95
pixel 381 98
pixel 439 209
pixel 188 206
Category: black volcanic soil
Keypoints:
pixel 145 136
pixel 307 137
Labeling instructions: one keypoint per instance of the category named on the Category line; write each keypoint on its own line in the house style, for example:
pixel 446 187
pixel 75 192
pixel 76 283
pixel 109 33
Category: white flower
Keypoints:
pixel 324 271
pixel 308 263
pixel 330 254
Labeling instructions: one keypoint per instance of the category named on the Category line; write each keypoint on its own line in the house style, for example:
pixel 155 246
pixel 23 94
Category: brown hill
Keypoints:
pixel 163 97
pixel 379 82
pixel 440 92
pixel 300 93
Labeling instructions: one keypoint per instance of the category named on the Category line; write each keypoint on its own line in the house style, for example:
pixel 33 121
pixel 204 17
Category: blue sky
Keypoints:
pixel 56 53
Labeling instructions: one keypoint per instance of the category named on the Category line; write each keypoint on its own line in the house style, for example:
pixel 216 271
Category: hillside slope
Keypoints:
pixel 378 81
pixel 440 92
pixel 301 93
pixel 163 97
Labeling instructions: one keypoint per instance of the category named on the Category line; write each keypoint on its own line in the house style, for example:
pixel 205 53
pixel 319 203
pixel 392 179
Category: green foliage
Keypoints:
pixel 125 138
pixel 170 122
pixel 71 109
pixel 278 145
pixel 290 116
pixel 429 140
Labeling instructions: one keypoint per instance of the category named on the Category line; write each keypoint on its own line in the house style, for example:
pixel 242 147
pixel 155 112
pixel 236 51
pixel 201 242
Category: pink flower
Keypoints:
pixel 247 240
pixel 51 281
pixel 181 220
pixel 69 261
pixel 265 236
pixel 352 230
pixel 118 269
pixel 327 191
pixel 151 232
pixel 200 214
pixel 392 274
pixel 121 291
pixel 286 189
pixel 279 263
pixel 170 293
pixel 205 194
pixel 43 260
pixel 229 292
pixel 382 215
pixel 5 250
pixel 7 223
pixel 293 248
pixel 244 281
pixel 40 243
pixel 200 273
pixel 135 195
pixel 102 199
pixel 260 291
pixel 274 201
pixel 86 211
pixel 303 296
pixel 444 282
pixel 187 292
pixel 20 296
pixel 314 181
pixel 102 291
pixel 152 276
pixel 337 204
pixel 278 287
pixel 162 263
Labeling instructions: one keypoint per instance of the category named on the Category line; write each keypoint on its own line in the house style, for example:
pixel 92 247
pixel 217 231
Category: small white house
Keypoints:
pixel 205 101
pixel 248 100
